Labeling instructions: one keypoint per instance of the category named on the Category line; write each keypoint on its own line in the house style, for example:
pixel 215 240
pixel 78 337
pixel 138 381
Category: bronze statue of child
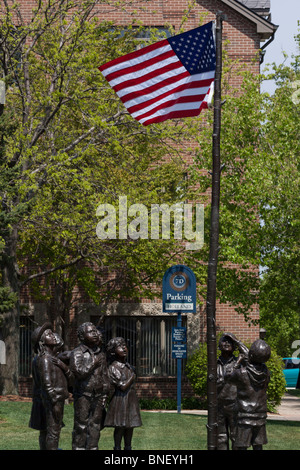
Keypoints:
pixel 38 414
pixel 251 381
pixel 123 411
pixel 91 387
pixel 226 394
pixel 51 385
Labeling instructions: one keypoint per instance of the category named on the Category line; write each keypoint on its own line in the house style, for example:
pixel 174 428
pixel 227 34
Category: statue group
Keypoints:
pixel 90 372
pixel 102 384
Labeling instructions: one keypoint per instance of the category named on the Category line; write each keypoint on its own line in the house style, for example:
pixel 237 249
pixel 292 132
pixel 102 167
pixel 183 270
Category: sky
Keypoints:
pixel 285 14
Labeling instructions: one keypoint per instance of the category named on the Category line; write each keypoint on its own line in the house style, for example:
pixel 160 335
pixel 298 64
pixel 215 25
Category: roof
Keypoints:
pixel 258 12
pixel 259 5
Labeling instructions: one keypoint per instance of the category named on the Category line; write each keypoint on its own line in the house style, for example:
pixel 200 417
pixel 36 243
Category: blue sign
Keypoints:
pixel 179 351
pixel 178 334
pixel 179 290
pixel 179 342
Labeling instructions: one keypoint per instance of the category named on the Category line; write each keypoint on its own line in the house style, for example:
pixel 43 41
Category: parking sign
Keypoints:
pixel 179 290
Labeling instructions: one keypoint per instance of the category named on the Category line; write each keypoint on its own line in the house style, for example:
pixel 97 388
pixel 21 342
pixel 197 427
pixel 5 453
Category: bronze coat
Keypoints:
pixel 123 410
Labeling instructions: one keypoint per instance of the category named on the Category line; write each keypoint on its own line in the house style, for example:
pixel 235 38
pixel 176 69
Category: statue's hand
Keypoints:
pixel 59 363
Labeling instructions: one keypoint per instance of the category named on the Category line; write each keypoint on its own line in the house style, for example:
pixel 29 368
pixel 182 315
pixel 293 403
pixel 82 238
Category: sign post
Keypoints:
pixel 179 353
pixel 179 296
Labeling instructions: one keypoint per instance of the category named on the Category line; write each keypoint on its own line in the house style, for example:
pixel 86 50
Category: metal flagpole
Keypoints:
pixel 212 421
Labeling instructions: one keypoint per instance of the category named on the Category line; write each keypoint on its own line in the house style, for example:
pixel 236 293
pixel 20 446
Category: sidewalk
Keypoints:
pixel 289 410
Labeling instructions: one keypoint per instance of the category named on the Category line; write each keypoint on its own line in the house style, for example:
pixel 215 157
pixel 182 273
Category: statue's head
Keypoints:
pixel 113 344
pixel 89 334
pixel 226 342
pixel 37 334
pixel 259 352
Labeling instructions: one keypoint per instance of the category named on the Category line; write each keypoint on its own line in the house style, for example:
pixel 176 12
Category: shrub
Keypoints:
pixel 157 404
pixel 196 371
pixel 277 384
pixel 192 403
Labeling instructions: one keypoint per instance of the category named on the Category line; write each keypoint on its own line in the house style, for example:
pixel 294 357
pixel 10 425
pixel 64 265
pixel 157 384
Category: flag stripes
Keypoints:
pixel 169 79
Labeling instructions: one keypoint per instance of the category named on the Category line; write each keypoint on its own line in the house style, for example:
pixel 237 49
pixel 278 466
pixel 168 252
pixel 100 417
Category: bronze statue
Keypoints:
pixel 227 393
pixel 227 405
pixel 38 415
pixel 123 411
pixel 50 388
pixel 91 388
pixel 251 380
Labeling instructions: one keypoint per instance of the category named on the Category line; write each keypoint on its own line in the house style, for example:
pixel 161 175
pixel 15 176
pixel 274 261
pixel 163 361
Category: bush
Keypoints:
pixel 196 372
pixel 192 403
pixel 277 384
pixel 157 404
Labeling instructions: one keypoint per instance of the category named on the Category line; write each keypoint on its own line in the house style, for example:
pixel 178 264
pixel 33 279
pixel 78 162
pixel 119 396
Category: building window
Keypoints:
pixel 25 352
pixel 149 341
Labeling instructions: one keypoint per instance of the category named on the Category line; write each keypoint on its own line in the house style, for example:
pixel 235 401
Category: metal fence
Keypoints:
pixel 25 352
pixel 149 341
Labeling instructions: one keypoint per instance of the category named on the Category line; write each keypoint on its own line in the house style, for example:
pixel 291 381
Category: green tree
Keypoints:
pixel 280 212
pixel 259 209
pixel 241 180
pixel 68 147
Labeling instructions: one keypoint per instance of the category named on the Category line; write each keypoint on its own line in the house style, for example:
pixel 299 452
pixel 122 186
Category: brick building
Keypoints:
pixel 247 31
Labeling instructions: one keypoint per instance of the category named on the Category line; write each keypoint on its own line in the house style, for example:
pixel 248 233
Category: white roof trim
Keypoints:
pixel 264 27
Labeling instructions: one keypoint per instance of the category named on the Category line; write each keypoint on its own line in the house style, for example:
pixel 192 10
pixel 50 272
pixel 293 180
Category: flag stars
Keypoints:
pixel 196 50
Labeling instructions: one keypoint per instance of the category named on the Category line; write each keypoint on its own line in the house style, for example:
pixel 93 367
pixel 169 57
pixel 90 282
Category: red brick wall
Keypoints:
pixel 146 387
pixel 162 387
pixel 241 41
pixel 240 32
pixel 25 386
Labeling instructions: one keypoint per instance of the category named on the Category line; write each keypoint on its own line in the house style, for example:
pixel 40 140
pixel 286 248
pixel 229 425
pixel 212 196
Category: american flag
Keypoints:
pixel 172 78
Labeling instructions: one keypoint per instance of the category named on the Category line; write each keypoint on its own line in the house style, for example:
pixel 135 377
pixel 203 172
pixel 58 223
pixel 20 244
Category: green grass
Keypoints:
pixel 160 431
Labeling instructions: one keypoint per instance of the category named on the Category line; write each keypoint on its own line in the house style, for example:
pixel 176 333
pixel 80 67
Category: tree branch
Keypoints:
pixel 52 270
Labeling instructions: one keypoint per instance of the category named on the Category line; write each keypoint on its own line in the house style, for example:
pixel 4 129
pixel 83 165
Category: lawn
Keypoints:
pixel 160 431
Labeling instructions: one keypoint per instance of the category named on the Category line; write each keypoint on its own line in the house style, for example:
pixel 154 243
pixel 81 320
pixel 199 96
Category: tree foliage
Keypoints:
pixel 259 209
pixel 74 146
pixel 280 211
pixel 240 234
pixel 67 145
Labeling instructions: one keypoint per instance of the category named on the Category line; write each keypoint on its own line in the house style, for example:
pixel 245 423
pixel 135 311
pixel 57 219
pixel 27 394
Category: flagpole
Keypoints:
pixel 212 421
